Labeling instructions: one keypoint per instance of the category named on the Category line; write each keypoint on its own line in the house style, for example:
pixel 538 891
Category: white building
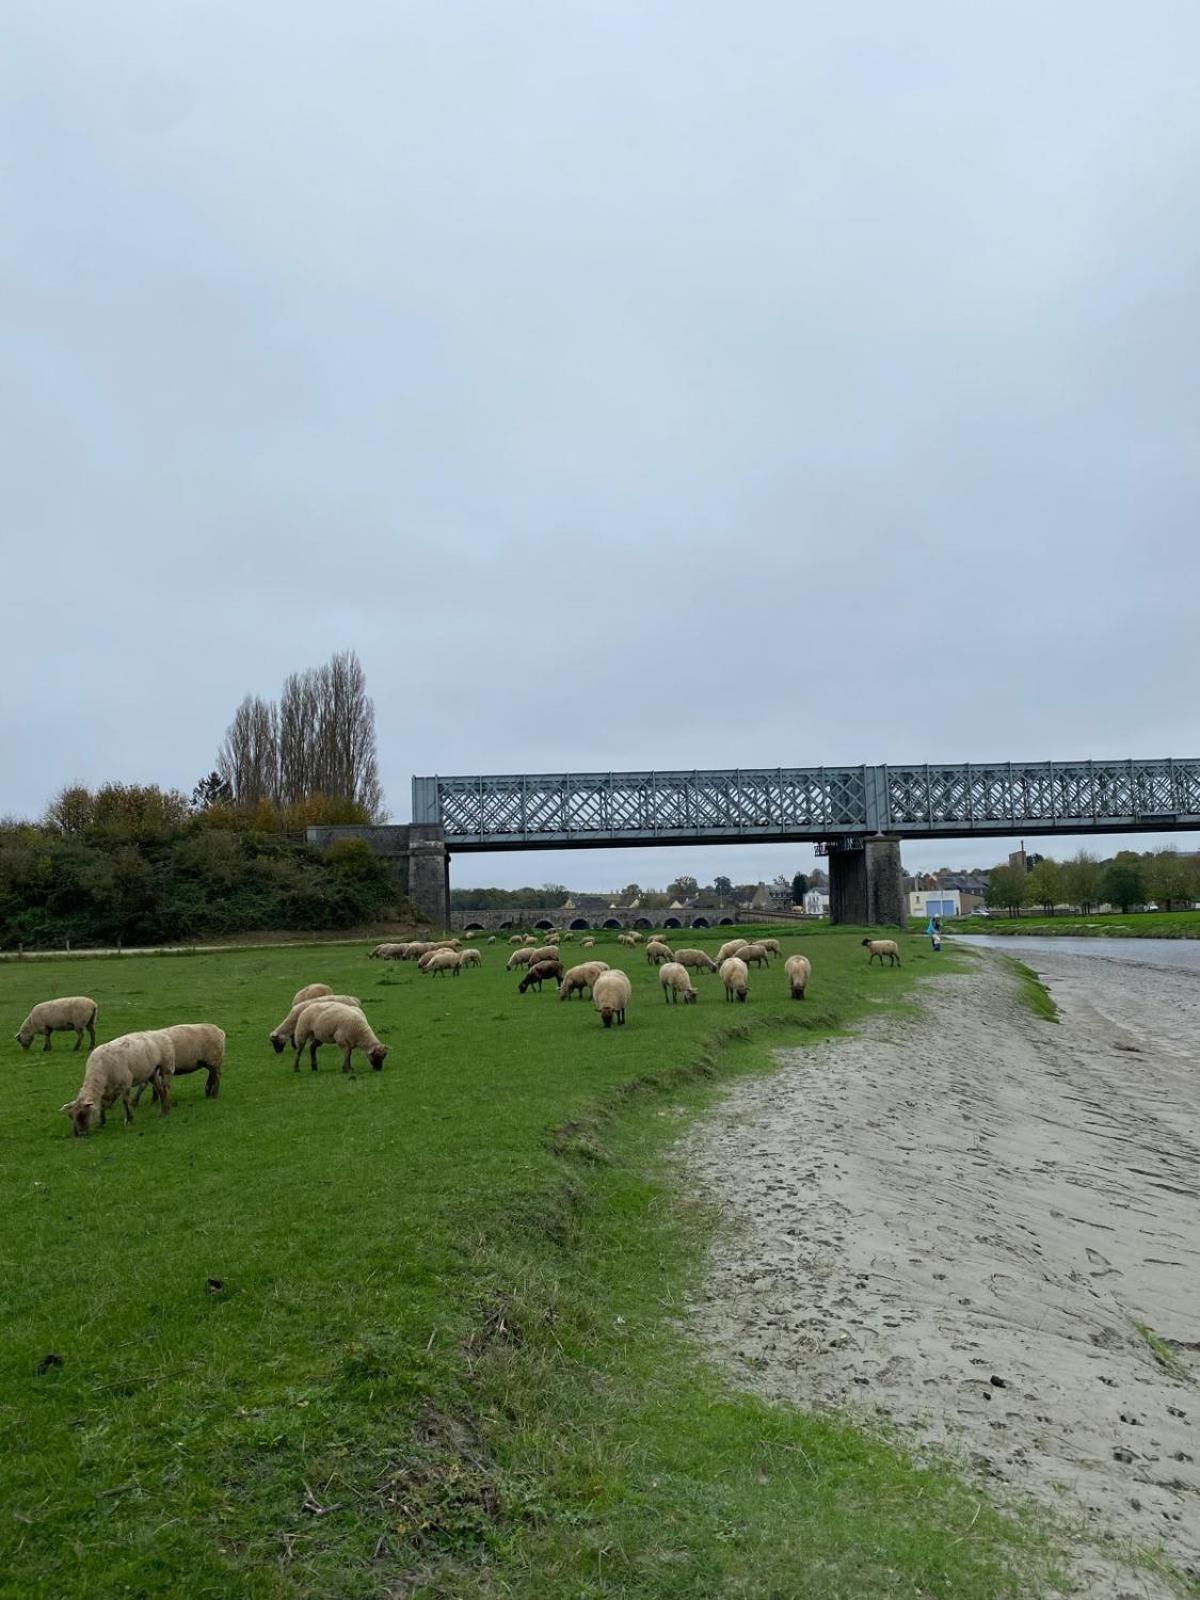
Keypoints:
pixel 935 903
pixel 816 903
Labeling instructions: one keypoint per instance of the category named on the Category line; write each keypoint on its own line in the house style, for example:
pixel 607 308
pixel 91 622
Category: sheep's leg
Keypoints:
pixel 164 1093
pixel 299 1053
pixel 46 1046
pixel 128 1109
pixel 312 1054
pixel 213 1087
pixel 91 1028
pixel 78 1040
pixel 346 1060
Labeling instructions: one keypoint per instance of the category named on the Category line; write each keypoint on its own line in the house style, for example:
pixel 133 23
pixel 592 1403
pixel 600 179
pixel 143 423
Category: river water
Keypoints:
pixel 1180 955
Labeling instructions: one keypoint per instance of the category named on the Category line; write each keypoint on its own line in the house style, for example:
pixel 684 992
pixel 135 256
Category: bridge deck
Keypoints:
pixel 594 810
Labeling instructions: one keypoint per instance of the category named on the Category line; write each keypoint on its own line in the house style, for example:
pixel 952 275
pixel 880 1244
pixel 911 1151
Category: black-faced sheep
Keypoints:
pixel 541 972
pixel 799 971
pixel 344 1026
pixel 285 1033
pixel 114 1069
pixel 881 948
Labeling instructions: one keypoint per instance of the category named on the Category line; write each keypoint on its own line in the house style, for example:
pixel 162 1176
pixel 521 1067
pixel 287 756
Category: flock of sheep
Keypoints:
pixel 122 1068
pixel 609 987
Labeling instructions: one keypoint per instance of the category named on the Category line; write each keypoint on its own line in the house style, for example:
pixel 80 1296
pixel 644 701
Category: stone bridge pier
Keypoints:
pixel 417 856
pixel 866 883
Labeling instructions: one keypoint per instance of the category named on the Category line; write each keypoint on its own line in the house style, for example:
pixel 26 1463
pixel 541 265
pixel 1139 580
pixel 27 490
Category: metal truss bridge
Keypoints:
pixel 596 809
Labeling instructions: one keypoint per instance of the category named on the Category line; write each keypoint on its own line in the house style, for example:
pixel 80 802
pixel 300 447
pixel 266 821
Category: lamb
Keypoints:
pixel 519 958
pixel 344 1026
pixel 634 936
pixel 771 946
pixel 626 938
pixel 579 978
pixel 540 972
pixel 610 996
pixel 730 949
pixel 675 982
pixel 311 991
pixel 657 953
pixel 516 939
pixel 799 971
pixel 735 975
pixel 568 937
pixel 472 958
pixel 491 938
pixel 285 1033
pixel 72 1014
pixel 443 961
pixel 881 948
pixel 113 1070
pixel 198 1045
pixel 696 958
pixel 587 944
pixel 755 953
pixel 530 938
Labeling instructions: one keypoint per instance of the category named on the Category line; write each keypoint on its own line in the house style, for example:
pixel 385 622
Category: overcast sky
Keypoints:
pixel 649 384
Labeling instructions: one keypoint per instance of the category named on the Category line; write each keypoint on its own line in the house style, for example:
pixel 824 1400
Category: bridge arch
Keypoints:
pixel 699 922
pixel 612 922
pixel 580 922
pixel 543 922
pixel 672 922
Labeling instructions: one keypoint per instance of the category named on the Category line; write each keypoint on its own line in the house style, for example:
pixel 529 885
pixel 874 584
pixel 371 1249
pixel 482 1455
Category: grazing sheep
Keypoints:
pixel 199 1046
pixel 530 938
pixel 516 939
pixel 413 950
pixel 491 938
pixel 568 937
pixel 388 952
pixel 311 991
pixel 112 1071
pixel 799 971
pixel 610 996
pixel 771 946
pixel 344 1026
pixel 547 952
pixel 471 958
pixel 657 953
pixel 587 944
pixel 443 961
pixel 423 961
pixel 634 936
pixel 735 975
pixel 577 979
pixel 519 958
pixel 541 972
pixel 755 953
pixel 285 1033
pixel 881 948
pixel 551 936
pixel 626 938
pixel 696 958
pixel 730 949
pixel 72 1014
pixel 675 982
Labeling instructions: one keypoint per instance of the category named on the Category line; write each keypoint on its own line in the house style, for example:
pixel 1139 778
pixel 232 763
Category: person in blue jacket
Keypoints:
pixel 934 929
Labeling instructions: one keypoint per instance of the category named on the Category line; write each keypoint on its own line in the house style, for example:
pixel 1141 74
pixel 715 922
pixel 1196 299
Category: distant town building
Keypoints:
pixel 934 903
pixel 816 903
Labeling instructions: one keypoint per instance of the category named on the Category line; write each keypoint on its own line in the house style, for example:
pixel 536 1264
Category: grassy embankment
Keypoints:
pixel 1110 925
pixel 417 1332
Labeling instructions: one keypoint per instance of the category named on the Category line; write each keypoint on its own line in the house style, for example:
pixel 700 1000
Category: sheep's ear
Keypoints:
pixel 69 1107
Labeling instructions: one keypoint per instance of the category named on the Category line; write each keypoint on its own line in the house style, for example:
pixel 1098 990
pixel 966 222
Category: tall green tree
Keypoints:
pixel 1081 881
pixel 1008 889
pixel 1045 884
pixel 1122 883
pixel 799 888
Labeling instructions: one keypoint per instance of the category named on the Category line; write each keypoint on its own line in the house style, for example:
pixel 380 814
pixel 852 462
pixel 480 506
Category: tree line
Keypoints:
pixel 1161 877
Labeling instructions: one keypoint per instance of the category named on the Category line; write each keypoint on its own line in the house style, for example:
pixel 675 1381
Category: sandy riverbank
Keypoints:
pixel 955 1222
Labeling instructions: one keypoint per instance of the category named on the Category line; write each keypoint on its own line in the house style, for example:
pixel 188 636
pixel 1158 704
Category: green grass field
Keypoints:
pixel 416 1333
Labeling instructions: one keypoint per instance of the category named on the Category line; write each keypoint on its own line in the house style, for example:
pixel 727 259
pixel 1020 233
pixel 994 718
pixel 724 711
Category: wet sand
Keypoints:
pixel 956 1221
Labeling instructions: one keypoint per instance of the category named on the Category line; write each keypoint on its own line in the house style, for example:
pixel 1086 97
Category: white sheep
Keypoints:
pixel 610 996
pixel 344 1026
pixel 799 971
pixel 413 950
pixel 112 1071
pixel 730 949
pixel 626 938
pixel 675 982
pixel 285 1033
pixel 577 979
pixel 771 946
pixel 519 958
pixel 516 939
pixel 387 952
pixel 530 938
pixel 735 975
pixel 443 961
pixel 696 958
pixel 568 937
pixel 881 948
pixel 198 1046
pixel 71 1014
pixel 491 938
pixel 657 953
pixel 547 952
pixel 587 944
pixel 311 991
pixel 755 953
pixel 472 958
